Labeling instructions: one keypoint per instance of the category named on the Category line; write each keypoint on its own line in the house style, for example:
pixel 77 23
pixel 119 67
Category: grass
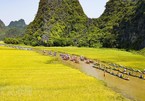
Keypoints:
pixel 1 42
pixel 29 76
pixel 120 57
pixel 142 52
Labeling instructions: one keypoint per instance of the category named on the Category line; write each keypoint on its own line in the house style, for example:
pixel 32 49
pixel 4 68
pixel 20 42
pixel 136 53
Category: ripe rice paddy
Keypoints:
pixel 120 57
pixel 29 76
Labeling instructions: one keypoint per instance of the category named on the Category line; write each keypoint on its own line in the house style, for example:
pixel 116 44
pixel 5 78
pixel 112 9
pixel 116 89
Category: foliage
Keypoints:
pixel 14 30
pixel 64 23
pixel 17 24
pixel 11 41
pixel 141 52
pixel 121 25
pixel 124 20
pixel 2 29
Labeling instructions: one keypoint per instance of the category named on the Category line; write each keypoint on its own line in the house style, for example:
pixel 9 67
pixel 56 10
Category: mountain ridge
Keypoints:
pixel 13 30
pixel 19 24
pixel 2 27
pixel 63 23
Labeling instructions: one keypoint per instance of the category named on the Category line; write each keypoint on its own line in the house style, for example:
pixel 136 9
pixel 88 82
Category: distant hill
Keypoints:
pixel 13 30
pixel 18 24
pixel 63 23
pixel 2 27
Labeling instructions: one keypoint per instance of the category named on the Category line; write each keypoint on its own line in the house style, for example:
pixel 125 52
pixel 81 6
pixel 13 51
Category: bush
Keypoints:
pixel 11 41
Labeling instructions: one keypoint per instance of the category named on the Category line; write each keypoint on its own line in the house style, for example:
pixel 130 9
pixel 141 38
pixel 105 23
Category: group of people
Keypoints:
pixel 88 61
pixel 131 72
pixel 65 56
pixel 69 57
pixel 49 53
pixel 120 72
pixel 75 58
pixel 113 69
pixel 109 70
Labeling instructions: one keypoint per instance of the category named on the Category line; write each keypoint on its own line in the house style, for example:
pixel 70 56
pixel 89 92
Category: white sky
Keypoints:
pixel 93 8
pixel 12 10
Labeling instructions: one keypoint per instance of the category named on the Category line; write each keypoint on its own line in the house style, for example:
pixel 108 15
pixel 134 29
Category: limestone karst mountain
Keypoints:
pixel 18 24
pixel 2 27
pixel 125 20
pixel 60 23
pixel 13 30
pixel 63 22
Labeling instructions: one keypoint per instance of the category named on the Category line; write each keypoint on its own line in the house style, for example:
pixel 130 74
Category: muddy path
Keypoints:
pixel 133 89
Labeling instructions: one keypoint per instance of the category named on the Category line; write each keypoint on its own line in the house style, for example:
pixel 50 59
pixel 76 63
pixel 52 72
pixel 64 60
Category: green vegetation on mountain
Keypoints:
pixel 125 20
pixel 14 30
pixel 62 23
pixel 132 28
pixel 2 27
pixel 18 24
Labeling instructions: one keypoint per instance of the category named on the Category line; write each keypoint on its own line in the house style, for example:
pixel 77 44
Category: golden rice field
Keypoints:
pixel 1 42
pixel 117 56
pixel 29 76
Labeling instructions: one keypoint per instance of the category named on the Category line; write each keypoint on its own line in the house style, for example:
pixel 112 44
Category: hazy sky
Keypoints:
pixel 11 10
